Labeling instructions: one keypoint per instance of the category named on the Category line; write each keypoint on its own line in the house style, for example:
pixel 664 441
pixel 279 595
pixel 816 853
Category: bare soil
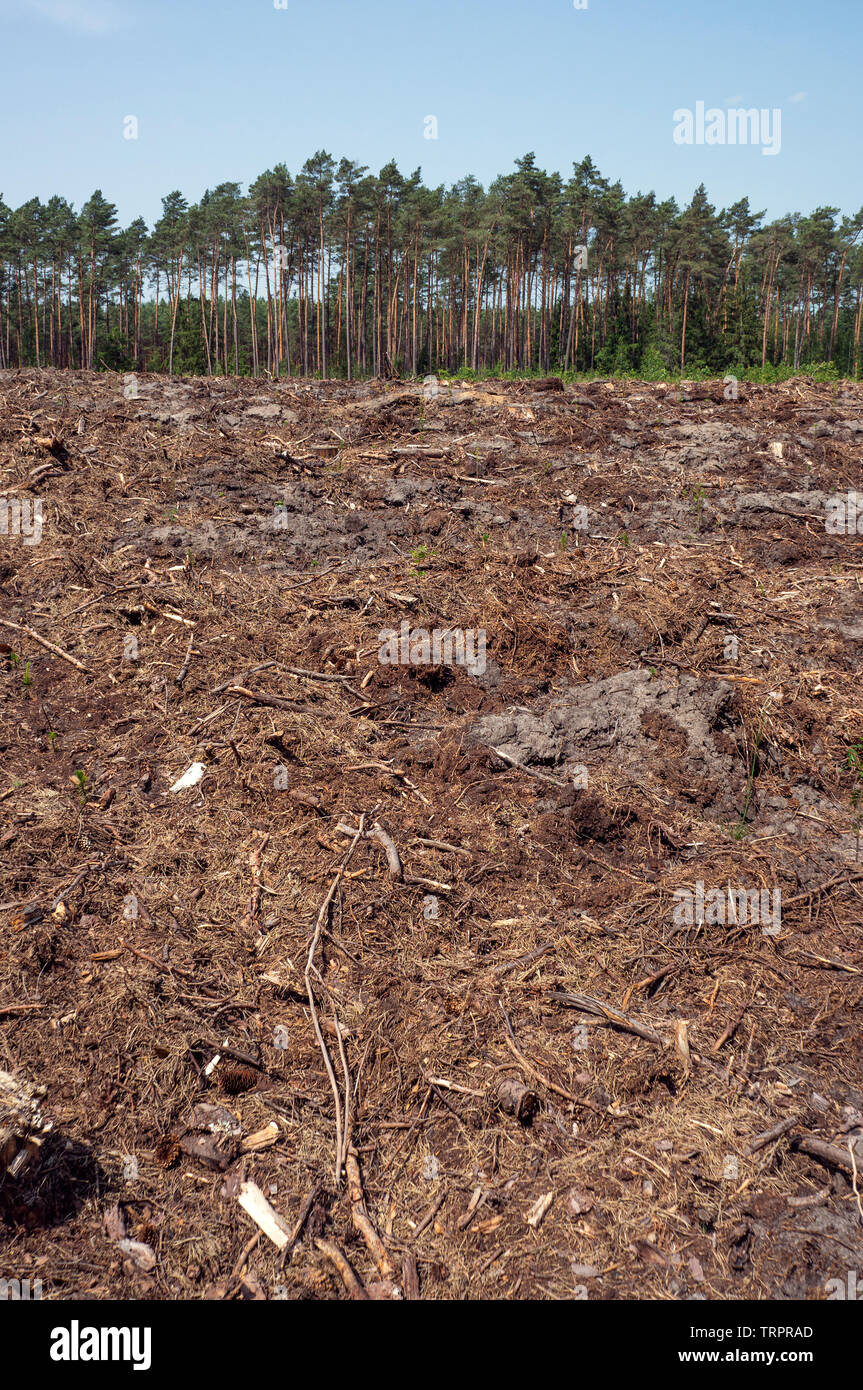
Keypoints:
pixel 555 1090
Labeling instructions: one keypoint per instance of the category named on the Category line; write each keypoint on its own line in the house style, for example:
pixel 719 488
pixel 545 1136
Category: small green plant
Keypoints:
pixel 27 677
pixel 83 786
pixel 564 540
pixel 52 737
pixel 695 496
pixel 421 556
pixel 740 828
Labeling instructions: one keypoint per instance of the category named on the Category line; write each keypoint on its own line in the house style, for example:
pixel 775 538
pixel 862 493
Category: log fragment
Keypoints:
pixel 23 1126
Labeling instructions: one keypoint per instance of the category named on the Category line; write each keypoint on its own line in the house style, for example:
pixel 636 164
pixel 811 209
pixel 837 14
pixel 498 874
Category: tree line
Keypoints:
pixel 339 272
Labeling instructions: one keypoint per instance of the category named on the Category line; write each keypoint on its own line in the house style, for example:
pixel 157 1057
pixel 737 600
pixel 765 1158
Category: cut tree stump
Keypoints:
pixel 23 1126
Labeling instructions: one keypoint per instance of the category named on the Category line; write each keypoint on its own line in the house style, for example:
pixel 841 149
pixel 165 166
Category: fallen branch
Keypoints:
pixel 157 964
pixel 43 642
pixel 360 1216
pixel 532 772
pixel 305 1213
pixel 393 858
pixel 828 1153
pixel 523 961
pixel 762 1140
pixel 837 878
pixel 346 1273
pixel 393 861
pixel 341 1136
pixel 611 1015
pixel 728 1031
pixel 187 661
pixel 259 698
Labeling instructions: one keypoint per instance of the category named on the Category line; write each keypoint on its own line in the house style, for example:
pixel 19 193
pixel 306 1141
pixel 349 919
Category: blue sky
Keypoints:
pixel 223 89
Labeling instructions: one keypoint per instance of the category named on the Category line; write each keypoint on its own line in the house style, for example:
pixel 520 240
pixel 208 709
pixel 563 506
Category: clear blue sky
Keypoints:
pixel 223 89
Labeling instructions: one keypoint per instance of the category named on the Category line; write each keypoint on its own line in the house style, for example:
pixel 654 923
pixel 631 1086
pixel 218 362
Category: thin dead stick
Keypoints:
pixel 744 1074
pixel 522 767
pixel 837 878
pixel 315 675
pixel 728 1031
pixel 243 1257
pixel 259 698
pixel 360 1216
pixel 303 582
pixel 313 946
pixel 305 1212
pixel 452 1086
pixel 220 689
pixel 425 1221
pixel 823 961
pixel 599 1009
pixel 348 1121
pixel 79 878
pixel 410 1278
pixel 649 980
pixel 8 1009
pixel 529 959
pixel 762 1140
pixel 157 964
pixel 442 845
pixel 187 661
pixel 393 861
pixel 43 642
pixel 529 1067
pixel 346 1273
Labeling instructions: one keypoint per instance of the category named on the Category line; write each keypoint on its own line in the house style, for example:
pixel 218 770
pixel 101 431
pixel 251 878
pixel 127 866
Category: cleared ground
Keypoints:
pixel 550 1083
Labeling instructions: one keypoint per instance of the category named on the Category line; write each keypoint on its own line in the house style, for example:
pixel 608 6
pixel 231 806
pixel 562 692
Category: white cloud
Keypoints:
pixel 799 96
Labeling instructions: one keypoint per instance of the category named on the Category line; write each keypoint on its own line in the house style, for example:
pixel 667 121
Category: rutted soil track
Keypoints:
pixel 666 618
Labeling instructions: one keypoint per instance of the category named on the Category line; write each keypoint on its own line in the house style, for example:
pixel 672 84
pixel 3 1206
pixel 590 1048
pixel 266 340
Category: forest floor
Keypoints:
pixel 551 1083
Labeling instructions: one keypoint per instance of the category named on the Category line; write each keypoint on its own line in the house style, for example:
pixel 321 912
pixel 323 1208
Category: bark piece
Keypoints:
pixel 23 1126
